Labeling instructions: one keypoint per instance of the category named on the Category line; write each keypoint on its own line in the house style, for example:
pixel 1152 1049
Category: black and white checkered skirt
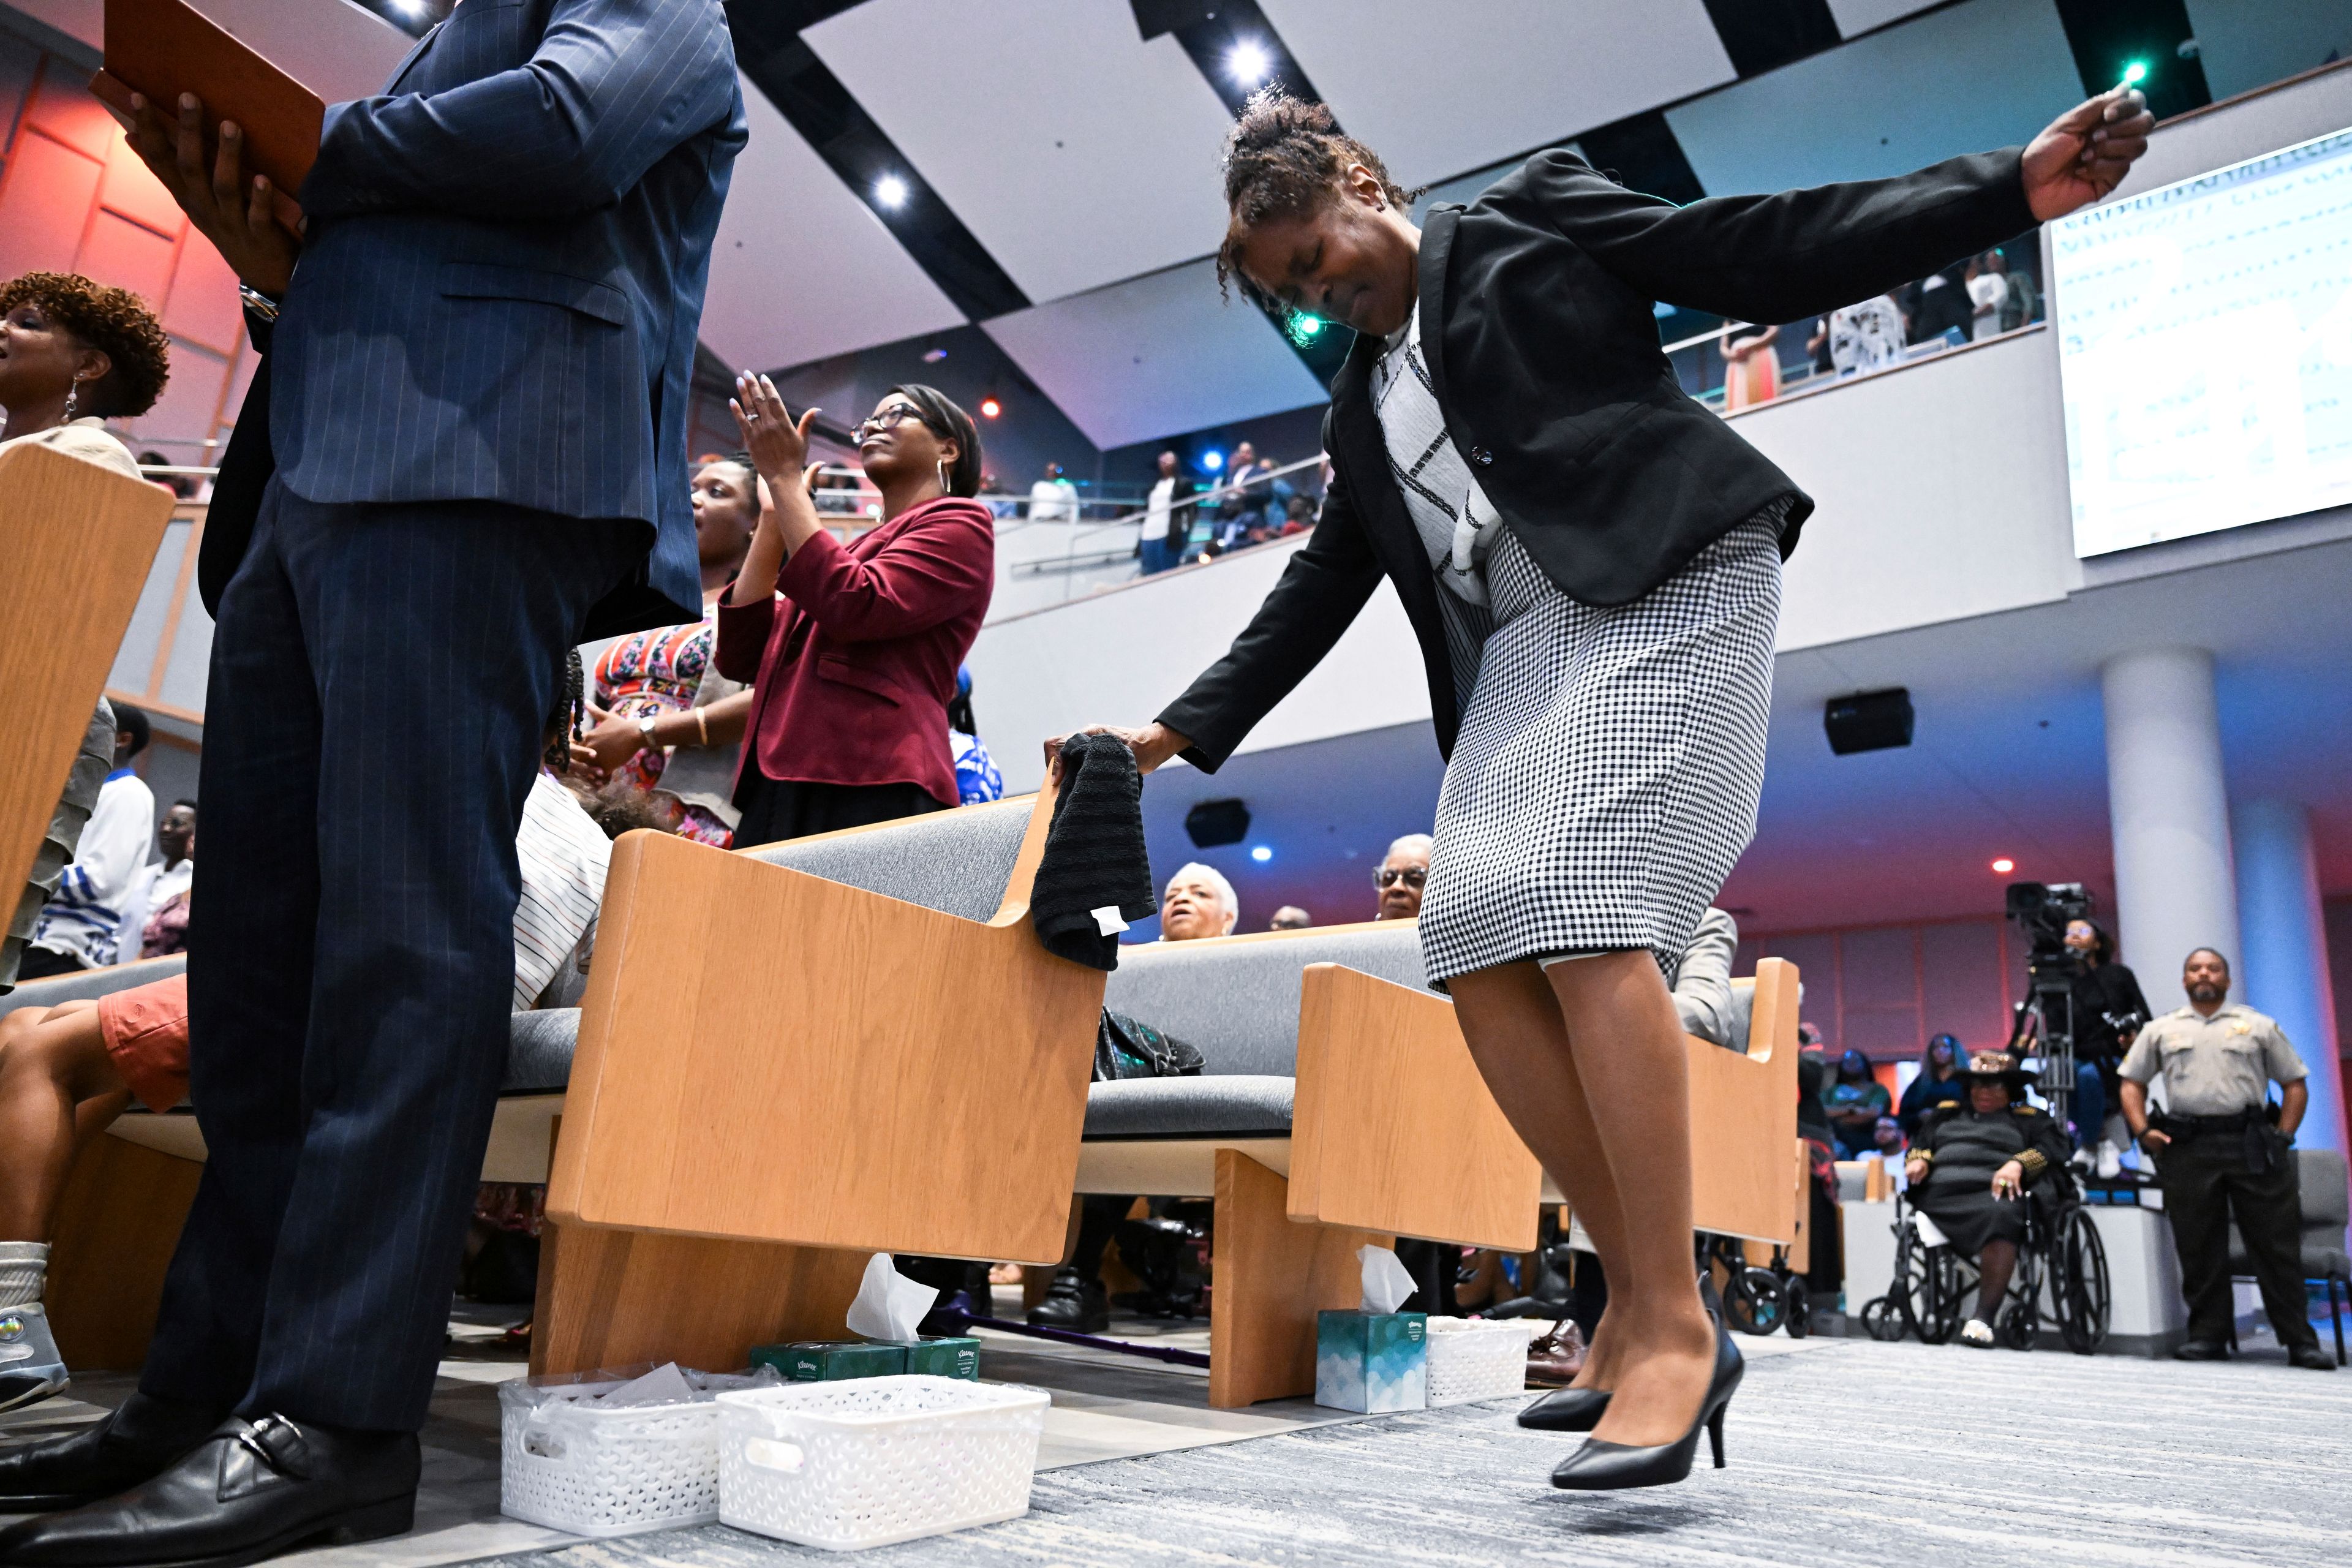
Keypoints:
pixel 1610 761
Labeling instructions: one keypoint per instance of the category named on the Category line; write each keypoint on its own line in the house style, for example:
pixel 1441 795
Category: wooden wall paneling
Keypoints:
pixel 877 1056
pixel 1271 1275
pixel 79 540
pixel 47 196
pixel 613 1298
pixel 118 1222
pixel 1393 1127
pixel 1962 983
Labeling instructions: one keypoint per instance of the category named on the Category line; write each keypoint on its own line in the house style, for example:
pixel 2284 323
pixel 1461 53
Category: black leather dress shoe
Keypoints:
pixel 2202 1350
pixel 2311 1358
pixel 250 1490
pixel 139 1440
pixel 1073 1302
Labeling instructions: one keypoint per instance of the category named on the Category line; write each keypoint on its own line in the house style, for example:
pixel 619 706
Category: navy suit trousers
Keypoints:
pixel 381 678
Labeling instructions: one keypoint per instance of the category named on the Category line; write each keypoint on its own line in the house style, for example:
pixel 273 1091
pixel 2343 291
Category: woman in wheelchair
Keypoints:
pixel 1969 1170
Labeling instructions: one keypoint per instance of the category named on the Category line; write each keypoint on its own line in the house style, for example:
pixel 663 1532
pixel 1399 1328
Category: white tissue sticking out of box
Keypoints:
pixel 666 1385
pixel 888 1304
pixel 1108 920
pixel 1387 1282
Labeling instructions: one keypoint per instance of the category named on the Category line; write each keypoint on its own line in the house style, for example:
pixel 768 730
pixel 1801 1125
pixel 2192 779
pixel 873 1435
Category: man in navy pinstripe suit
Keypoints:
pixel 475 401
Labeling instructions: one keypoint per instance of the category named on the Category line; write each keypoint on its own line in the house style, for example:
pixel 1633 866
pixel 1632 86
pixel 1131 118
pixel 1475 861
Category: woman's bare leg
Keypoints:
pixel 1512 1021
pixel 49 1064
pixel 1627 1046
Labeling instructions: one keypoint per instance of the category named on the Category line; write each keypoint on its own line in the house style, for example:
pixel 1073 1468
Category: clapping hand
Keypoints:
pixel 2086 152
pixel 778 443
pixel 239 217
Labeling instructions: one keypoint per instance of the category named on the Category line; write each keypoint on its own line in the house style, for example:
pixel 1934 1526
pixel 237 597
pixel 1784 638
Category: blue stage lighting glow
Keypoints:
pixel 1213 459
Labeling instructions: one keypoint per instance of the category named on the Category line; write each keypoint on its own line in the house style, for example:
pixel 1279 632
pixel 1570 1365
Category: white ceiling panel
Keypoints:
pixel 1854 16
pixel 1439 90
pixel 802 269
pixel 1979 75
pixel 1154 356
pixel 1075 152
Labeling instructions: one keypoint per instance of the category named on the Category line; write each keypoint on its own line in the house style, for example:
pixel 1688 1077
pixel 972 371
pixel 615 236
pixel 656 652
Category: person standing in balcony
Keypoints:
pixel 851 650
pixel 1167 527
pixel 1590 563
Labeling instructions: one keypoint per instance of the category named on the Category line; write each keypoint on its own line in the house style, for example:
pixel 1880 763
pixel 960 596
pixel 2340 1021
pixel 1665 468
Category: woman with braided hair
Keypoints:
pixel 1591 563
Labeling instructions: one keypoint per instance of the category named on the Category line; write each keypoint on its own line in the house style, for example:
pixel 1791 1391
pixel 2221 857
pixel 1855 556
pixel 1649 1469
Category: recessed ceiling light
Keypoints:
pixel 891 191
pixel 1261 854
pixel 2005 866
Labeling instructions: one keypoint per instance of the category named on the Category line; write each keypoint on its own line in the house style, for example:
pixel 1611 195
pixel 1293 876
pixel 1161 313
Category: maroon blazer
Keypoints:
pixel 853 659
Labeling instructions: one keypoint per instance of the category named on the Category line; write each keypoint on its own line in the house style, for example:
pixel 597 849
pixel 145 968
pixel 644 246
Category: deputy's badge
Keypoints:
pixel 2241 1028
pixel 12 1329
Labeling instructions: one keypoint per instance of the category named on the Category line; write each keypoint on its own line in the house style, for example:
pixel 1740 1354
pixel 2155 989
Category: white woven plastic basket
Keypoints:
pixel 588 1471
pixel 870 1460
pixel 1474 1358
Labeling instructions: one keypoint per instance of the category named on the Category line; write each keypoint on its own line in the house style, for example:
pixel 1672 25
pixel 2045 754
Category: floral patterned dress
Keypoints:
pixel 657 672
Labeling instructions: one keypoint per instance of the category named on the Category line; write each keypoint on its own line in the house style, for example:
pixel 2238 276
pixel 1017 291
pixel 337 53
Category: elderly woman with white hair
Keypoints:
pixel 1198 901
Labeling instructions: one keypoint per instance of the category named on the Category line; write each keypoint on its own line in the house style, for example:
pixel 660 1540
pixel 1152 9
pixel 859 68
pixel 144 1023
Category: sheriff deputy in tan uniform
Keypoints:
pixel 2219 1156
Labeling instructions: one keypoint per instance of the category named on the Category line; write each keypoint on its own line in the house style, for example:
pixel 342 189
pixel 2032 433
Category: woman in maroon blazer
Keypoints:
pixel 852 649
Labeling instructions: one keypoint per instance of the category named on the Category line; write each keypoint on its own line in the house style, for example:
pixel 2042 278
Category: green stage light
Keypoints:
pixel 2135 73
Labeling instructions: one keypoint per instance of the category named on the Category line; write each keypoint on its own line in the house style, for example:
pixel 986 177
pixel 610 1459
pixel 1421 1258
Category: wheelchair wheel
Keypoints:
pixel 1755 1303
pixel 1884 1320
pixel 1796 1309
pixel 2020 1323
pixel 1940 1311
pixel 2081 1285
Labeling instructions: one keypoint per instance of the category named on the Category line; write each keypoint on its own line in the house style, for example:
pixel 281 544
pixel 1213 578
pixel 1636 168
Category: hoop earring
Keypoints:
pixel 942 468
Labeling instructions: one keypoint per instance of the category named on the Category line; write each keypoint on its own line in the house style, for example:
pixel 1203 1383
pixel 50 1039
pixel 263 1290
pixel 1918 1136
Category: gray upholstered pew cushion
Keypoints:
pixel 1223 1106
pixel 1237 1000
pixel 957 862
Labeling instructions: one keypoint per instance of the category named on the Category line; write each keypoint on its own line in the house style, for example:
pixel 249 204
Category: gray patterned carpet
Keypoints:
pixel 1855 1453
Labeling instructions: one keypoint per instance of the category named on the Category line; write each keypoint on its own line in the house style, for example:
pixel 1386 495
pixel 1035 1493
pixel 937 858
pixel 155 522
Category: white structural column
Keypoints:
pixel 2286 970
pixel 2175 889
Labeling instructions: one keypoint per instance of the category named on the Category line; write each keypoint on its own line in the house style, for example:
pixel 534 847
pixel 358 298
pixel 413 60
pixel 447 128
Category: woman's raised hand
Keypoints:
pixel 778 443
pixel 2086 152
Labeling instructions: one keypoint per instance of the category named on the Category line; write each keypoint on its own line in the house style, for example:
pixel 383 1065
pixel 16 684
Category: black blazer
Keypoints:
pixel 1542 345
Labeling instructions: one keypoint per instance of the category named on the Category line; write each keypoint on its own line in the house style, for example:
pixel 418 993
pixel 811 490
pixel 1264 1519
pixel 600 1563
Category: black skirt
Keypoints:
pixel 777 809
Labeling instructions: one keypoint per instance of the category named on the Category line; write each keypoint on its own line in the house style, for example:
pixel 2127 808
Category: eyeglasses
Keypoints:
pixel 890 419
pixel 1389 877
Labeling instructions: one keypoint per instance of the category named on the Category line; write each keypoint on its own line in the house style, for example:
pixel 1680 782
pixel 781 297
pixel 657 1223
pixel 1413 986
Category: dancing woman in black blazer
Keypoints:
pixel 1590 561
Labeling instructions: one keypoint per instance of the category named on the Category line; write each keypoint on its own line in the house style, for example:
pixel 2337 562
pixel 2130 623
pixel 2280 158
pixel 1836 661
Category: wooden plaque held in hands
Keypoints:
pixel 163 48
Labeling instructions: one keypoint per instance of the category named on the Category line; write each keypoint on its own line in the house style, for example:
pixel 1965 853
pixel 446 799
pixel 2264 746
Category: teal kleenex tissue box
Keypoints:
pixel 1371 1361
pixel 953 1356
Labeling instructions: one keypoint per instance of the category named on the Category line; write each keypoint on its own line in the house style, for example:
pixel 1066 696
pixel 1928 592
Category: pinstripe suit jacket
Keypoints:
pixel 499 291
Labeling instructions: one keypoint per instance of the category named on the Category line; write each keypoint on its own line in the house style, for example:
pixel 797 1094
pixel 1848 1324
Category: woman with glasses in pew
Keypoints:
pixel 852 649
pixel 1591 563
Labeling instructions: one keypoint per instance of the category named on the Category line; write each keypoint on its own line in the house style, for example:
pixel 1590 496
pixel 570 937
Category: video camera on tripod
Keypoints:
pixel 2042 912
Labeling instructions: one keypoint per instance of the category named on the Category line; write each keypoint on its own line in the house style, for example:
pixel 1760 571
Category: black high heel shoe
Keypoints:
pixel 1601 1466
pixel 1566 1410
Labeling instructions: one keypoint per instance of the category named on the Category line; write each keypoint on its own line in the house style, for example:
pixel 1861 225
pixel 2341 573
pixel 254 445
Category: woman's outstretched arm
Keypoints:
pixel 1784 257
